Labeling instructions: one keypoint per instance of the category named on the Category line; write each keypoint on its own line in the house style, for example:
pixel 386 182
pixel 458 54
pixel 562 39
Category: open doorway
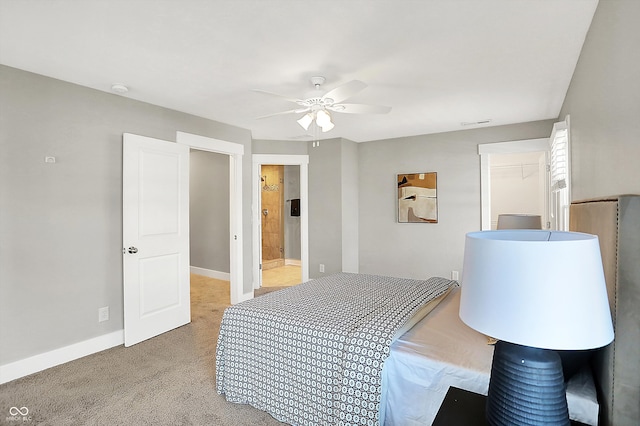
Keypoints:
pixel 518 185
pixel 509 167
pixel 280 226
pixel 209 216
pixel 234 153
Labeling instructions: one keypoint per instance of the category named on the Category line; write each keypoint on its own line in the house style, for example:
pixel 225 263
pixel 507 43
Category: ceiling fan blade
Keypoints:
pixel 298 101
pixel 345 91
pixel 291 111
pixel 360 109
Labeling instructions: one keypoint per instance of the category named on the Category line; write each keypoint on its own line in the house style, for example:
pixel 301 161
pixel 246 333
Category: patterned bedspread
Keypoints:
pixel 313 354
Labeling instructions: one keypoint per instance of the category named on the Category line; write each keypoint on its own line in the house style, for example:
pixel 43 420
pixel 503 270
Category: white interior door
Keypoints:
pixel 155 237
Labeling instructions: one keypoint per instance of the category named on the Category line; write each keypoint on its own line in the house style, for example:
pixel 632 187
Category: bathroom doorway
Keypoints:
pixel 296 220
pixel 272 220
pixel 280 225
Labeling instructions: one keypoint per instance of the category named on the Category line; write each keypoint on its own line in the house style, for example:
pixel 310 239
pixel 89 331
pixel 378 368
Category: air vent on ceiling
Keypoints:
pixel 119 88
pixel 475 123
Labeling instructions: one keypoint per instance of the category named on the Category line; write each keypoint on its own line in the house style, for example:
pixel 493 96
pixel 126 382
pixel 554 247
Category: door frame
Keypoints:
pixel 287 160
pixel 235 151
pixel 512 147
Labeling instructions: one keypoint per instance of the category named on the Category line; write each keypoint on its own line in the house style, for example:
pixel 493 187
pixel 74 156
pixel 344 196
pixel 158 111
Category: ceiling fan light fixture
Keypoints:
pixel 322 118
pixel 305 121
pixel 317 106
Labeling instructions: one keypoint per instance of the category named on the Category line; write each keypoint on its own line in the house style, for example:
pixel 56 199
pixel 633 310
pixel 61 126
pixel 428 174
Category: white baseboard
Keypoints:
pixel 24 367
pixel 294 262
pixel 226 276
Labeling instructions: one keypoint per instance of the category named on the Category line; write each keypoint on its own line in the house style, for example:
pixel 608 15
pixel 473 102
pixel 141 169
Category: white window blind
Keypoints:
pixel 560 179
pixel 559 160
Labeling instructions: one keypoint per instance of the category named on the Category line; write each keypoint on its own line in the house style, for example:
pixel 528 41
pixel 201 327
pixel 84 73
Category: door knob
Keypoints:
pixel 133 250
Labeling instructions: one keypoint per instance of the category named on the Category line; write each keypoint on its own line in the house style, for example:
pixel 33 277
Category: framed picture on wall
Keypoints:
pixel 417 198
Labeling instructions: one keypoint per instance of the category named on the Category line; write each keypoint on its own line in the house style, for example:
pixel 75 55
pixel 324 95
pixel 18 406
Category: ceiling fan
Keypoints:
pixel 318 106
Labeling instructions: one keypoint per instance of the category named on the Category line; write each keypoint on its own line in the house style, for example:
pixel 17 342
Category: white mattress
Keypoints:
pixel 441 351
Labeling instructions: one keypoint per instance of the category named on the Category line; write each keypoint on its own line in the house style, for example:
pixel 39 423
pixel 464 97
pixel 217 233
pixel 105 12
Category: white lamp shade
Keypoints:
pixel 305 121
pixel 544 289
pixel 323 118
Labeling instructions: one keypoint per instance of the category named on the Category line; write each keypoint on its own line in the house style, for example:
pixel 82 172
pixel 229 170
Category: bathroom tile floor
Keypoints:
pixel 287 275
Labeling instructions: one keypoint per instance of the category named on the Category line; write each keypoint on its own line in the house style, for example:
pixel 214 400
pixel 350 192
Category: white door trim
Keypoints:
pixel 511 147
pixel 287 160
pixel 235 151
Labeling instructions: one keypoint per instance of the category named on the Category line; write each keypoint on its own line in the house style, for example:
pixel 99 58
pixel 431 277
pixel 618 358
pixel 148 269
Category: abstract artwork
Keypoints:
pixel 417 198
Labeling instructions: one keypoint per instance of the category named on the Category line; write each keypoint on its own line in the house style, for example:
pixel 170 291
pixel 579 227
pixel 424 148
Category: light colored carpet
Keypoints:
pixel 167 380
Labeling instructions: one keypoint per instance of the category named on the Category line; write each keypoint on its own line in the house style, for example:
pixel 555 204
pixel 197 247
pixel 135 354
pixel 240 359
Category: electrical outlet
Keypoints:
pixel 103 314
pixel 454 275
pixel 322 267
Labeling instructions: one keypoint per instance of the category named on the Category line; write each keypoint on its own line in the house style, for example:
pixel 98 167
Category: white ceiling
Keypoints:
pixel 437 63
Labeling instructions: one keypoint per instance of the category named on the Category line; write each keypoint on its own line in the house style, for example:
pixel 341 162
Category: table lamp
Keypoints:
pixel 519 221
pixel 536 292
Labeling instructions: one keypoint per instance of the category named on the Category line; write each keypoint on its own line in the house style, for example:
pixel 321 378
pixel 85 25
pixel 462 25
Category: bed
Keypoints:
pixel 303 368
pixel 313 354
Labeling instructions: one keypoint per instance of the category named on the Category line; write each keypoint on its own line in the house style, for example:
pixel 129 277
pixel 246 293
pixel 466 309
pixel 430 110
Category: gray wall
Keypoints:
pixel 333 207
pixel 325 207
pixel 422 250
pixel 260 146
pixel 61 224
pixel 209 210
pixel 350 205
pixel 604 104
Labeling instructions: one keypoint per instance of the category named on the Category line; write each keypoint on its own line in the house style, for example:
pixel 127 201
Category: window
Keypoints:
pixel 560 177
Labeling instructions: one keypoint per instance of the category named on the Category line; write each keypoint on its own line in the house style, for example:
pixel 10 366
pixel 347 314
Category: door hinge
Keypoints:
pixel 260 267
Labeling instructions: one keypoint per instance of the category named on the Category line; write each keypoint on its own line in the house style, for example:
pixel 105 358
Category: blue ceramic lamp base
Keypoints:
pixel 526 387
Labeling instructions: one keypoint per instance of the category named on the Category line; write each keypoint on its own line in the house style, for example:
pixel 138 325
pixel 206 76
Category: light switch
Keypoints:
pixel 103 314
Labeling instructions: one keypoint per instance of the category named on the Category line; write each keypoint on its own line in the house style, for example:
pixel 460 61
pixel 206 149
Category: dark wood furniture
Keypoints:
pixel 463 408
